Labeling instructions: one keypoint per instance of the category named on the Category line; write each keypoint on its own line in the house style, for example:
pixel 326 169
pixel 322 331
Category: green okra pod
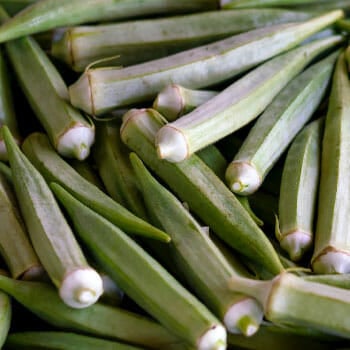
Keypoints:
pixel 227 4
pixel 5 316
pixel 298 194
pixel 337 280
pixel 54 168
pixel 60 340
pixel 49 14
pixel 99 319
pixel 15 246
pixel 238 104
pixel 102 89
pixel 112 160
pixel 197 185
pixel 204 266
pixel 143 278
pixel 6 171
pixel 293 301
pixel 137 41
pixel 79 285
pixel 69 131
pixel 7 113
pixel 332 240
pixel 275 129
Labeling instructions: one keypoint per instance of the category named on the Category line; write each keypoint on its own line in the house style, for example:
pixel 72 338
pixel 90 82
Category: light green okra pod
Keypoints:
pixel 275 129
pixel 60 340
pixel 136 41
pixel 79 285
pixel 332 240
pixel 293 301
pixel 69 131
pixel 7 113
pixel 299 188
pixel 54 168
pixel 102 89
pixel 204 266
pixel 112 160
pixel 143 278
pixel 15 246
pixel 238 104
pixel 198 186
pixel 48 14
pixel 99 319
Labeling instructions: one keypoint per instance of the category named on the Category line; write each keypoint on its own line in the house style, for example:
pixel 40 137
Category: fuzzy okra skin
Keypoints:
pixel 54 168
pixel 70 132
pixel 332 240
pixel 196 184
pixel 298 194
pixel 138 41
pixel 204 266
pixel 7 113
pixel 102 89
pixel 112 160
pixel 48 14
pixel 79 285
pixel 238 104
pixel 98 319
pixel 143 278
pixel 59 340
pixel 15 246
pixel 293 301
pixel 275 129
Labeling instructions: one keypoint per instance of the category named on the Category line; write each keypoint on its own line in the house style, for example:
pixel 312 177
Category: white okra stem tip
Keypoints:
pixel 296 243
pixel 81 288
pixel 242 178
pixel 332 261
pixel 213 339
pixel 171 144
pixel 76 142
pixel 244 317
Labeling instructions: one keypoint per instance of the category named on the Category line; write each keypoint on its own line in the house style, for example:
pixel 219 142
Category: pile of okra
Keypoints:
pixel 175 175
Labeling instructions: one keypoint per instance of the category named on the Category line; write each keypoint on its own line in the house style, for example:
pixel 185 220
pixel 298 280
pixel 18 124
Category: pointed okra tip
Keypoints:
pixel 242 178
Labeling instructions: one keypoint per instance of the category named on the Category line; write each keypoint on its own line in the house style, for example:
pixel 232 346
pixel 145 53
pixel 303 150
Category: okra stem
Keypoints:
pixel 48 14
pixel 143 279
pixel 102 89
pixel 52 238
pixel 196 184
pixel 332 240
pixel 274 130
pixel 237 105
pixel 138 41
pixel 205 268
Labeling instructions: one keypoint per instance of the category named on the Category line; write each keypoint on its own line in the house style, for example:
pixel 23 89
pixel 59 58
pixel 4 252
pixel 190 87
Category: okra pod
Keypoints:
pixel 196 184
pixel 275 129
pixel 49 14
pixel 205 268
pixel 143 278
pixel 5 316
pixel 228 4
pixel 15 246
pixel 175 100
pixel 238 104
pixel 299 188
pixel 7 113
pixel 100 320
pixel 54 168
pixel 137 41
pixel 332 241
pixel 293 301
pixel 79 285
pixel 337 280
pixel 112 160
pixel 70 132
pixel 102 89
pixel 6 171
pixel 59 340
